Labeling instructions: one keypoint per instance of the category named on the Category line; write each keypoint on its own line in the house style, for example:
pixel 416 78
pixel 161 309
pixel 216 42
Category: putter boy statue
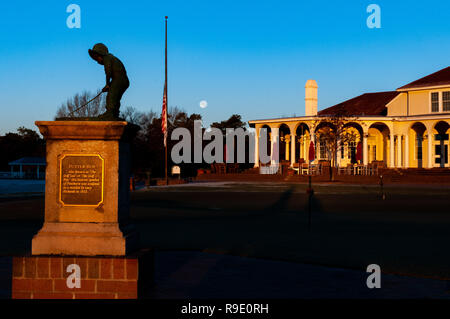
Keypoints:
pixel 116 80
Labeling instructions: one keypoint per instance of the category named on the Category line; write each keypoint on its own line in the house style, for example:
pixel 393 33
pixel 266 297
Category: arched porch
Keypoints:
pixel 378 144
pixel 441 144
pixel 285 142
pixel 302 140
pixel 418 140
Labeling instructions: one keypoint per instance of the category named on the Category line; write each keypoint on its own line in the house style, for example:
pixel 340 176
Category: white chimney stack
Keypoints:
pixel 311 98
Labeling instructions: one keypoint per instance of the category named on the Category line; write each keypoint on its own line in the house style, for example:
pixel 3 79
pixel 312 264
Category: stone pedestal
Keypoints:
pixel 86 190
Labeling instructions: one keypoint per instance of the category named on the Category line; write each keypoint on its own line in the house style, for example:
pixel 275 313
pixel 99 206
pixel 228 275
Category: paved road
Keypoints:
pixel 205 275
pixel 15 186
pixel 352 227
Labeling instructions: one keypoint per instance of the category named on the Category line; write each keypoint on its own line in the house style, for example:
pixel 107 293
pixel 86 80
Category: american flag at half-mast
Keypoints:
pixel 164 116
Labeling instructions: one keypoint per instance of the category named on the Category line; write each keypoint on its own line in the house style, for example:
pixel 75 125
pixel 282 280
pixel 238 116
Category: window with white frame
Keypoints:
pixel 435 102
pixel 446 101
pixel 440 101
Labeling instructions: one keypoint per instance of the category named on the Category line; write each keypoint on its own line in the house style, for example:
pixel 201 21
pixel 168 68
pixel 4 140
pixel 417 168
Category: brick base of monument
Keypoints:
pixel 45 277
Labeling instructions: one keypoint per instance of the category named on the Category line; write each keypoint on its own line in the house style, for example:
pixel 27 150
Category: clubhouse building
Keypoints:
pixel 405 128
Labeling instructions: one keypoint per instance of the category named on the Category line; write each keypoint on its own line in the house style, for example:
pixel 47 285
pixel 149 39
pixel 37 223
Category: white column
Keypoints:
pixel 391 151
pixel 256 147
pixel 305 148
pixel 407 150
pixel 399 151
pixel 365 150
pixel 287 140
pixel 293 159
pixel 430 147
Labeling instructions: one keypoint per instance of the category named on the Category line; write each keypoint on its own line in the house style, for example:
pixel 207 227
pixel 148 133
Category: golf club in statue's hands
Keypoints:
pixel 79 108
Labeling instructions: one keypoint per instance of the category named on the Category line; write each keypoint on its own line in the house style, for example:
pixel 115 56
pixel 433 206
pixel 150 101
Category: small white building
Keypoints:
pixel 28 167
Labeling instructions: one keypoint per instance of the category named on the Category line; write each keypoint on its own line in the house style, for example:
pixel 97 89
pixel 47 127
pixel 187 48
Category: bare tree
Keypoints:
pixel 131 115
pixel 93 109
pixel 148 117
pixel 145 122
pixel 333 132
pixel 173 113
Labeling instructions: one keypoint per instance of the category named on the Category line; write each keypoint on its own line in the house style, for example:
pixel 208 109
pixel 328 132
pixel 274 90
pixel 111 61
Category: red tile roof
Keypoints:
pixel 438 78
pixel 364 105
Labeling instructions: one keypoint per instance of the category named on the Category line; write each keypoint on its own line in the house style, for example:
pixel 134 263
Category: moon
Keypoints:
pixel 203 104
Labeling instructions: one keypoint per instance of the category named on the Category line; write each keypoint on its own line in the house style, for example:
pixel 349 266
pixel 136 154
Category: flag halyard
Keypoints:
pixel 164 115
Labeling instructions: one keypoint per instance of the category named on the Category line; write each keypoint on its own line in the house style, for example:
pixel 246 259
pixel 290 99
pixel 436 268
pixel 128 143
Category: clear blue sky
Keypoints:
pixel 247 57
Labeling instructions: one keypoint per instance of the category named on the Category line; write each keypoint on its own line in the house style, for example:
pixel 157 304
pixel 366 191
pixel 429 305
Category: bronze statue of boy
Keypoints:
pixel 116 80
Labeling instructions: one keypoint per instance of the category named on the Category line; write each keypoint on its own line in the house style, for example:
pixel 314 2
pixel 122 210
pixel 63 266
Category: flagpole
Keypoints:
pixel 167 107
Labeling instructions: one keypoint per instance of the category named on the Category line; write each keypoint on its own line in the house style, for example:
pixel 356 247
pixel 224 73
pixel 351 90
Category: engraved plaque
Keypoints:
pixel 81 180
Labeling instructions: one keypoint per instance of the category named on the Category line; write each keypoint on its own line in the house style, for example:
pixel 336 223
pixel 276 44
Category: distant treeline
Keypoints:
pixel 147 146
pixel 23 143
